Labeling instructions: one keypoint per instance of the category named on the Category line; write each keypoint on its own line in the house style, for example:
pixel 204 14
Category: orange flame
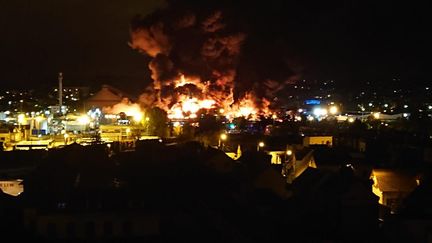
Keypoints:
pixel 183 81
pixel 187 106
pixel 130 109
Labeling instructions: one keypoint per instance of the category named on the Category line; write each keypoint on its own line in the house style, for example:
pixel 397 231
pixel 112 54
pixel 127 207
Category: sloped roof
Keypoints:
pixel 419 203
pixel 219 161
pixel 317 183
pixel 301 153
pixel 390 180
pixel 107 96
pixel 359 191
pixel 272 180
pixel 107 93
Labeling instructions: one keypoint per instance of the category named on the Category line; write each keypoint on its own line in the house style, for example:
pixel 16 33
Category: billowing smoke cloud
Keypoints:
pixel 163 71
pixel 152 40
pixel 130 109
pixel 205 44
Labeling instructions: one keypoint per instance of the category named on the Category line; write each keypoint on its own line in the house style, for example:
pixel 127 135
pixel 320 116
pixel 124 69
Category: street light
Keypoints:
pixel 260 145
pixel 222 138
pixel 376 115
pixel 289 152
pixel 333 110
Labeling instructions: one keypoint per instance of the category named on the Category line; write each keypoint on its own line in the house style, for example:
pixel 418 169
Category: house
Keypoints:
pixel 335 205
pixel 413 223
pixel 12 187
pixel 318 140
pixel 392 186
pixel 8 136
pixel 296 163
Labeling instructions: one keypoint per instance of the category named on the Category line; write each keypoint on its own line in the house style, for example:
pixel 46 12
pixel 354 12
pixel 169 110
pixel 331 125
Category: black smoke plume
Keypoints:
pixel 216 42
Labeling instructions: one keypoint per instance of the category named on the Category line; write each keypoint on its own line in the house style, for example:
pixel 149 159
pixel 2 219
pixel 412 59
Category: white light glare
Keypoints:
pixel 319 111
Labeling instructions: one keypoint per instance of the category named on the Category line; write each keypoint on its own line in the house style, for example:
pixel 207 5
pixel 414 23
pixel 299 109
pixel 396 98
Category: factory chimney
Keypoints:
pixel 60 93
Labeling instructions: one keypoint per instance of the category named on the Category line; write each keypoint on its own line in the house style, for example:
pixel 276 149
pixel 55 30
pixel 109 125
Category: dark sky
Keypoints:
pixel 87 40
pixel 349 41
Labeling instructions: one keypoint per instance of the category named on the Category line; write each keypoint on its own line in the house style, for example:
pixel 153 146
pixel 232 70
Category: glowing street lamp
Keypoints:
pixel 333 110
pixel 260 145
pixel 288 154
pixel 222 138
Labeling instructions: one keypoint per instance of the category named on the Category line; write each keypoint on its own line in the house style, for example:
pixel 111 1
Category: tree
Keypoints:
pixel 157 122
pixel 208 124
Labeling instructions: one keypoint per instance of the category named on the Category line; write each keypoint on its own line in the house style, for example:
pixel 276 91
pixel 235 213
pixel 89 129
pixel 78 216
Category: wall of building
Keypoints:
pixel 318 140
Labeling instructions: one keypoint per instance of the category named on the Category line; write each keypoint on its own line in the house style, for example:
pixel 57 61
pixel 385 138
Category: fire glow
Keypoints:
pixel 130 109
pixel 194 64
pixel 188 106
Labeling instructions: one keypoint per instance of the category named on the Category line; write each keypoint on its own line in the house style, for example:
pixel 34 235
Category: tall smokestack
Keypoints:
pixel 60 93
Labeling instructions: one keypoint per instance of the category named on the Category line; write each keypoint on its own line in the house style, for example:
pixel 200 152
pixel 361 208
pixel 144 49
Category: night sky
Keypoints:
pixel 344 40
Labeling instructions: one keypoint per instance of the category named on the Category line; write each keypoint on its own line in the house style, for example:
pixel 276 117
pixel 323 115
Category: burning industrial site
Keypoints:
pixel 194 64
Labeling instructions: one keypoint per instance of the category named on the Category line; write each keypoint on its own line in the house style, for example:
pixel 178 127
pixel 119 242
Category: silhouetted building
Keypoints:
pixel 107 96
